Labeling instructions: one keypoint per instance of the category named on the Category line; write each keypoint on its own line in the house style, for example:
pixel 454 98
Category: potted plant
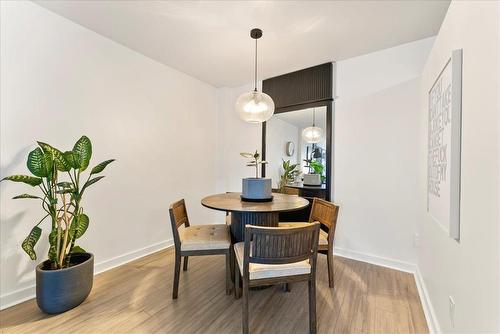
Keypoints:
pixel 256 188
pixel 290 171
pixel 65 279
pixel 316 178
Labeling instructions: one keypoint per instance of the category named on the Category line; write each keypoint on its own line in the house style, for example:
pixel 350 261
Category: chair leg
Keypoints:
pixel 177 272
pixel 312 306
pixel 244 316
pixel 228 272
pixel 329 259
pixel 286 287
pixel 236 281
pixel 232 259
pixel 185 267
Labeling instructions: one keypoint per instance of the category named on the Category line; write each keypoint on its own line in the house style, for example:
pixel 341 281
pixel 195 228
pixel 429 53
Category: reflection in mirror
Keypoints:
pixel 297 138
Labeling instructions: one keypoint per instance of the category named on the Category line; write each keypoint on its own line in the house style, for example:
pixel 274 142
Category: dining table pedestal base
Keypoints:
pixel 240 219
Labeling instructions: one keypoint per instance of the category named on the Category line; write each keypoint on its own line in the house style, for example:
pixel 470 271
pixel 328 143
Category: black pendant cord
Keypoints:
pixel 314 117
pixel 255 74
pixel 255 33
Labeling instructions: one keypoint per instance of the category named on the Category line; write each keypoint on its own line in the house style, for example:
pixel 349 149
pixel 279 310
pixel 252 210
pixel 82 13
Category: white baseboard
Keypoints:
pixel 411 268
pixel 16 297
pixel 430 315
pixel 377 260
pixel 130 256
pixel 21 295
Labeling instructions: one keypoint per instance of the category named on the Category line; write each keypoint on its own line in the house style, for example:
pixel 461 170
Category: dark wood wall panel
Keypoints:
pixel 312 84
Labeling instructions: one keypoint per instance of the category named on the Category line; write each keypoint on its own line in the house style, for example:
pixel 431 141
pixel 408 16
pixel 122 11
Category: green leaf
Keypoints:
pixel 79 226
pixel 317 167
pixel 246 155
pixel 77 250
pixel 83 148
pixel 61 163
pixel 32 181
pixel 65 184
pixel 26 196
pixel 100 167
pixel 52 254
pixel 65 191
pixel 36 163
pixel 53 246
pixel 72 158
pixel 49 165
pixel 90 182
pixel 53 237
pixel 30 242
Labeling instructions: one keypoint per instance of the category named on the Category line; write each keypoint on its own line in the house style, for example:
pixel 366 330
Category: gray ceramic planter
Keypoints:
pixel 60 290
pixel 256 188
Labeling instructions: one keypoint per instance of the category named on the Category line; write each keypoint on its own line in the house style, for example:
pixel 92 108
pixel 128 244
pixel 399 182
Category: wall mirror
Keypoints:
pixel 300 131
pixel 308 131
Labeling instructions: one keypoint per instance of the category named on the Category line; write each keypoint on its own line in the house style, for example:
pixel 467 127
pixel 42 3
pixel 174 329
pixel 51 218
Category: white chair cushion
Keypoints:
pixel 323 236
pixel 258 270
pixel 205 237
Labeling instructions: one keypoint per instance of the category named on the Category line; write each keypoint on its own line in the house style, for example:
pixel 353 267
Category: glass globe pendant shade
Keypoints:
pixel 255 107
pixel 312 134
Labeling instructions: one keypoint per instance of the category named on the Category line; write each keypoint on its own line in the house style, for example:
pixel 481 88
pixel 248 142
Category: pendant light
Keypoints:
pixel 313 133
pixel 255 106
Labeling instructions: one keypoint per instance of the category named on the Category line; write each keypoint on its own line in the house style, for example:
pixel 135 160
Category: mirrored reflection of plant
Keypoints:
pixel 255 162
pixel 61 200
pixel 290 171
pixel 317 167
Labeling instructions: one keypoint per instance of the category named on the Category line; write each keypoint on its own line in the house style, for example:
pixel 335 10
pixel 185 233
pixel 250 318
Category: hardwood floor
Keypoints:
pixel 136 298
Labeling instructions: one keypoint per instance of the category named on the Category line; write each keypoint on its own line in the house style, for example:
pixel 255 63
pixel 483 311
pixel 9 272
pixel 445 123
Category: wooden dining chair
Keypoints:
pixel 326 214
pixel 197 240
pixel 291 191
pixel 276 255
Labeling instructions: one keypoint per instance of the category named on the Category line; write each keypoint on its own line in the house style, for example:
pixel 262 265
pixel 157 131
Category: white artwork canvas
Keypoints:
pixel 444 143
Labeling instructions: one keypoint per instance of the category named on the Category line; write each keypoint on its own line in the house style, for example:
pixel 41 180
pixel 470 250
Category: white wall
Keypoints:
pixel 59 81
pixel 234 136
pixel 375 183
pixel 376 141
pixel 279 133
pixel 368 74
pixel 468 270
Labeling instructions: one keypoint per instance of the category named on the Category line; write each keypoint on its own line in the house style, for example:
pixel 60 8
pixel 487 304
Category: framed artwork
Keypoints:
pixel 444 146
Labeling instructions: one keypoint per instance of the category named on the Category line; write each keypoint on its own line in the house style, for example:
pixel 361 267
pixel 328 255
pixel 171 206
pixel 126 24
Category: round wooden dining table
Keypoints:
pixel 253 213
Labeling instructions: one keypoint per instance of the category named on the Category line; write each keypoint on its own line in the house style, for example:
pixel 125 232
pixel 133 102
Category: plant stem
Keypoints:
pixel 66 232
pixel 72 181
pixel 59 232
pixel 77 211
pixel 41 220
pixel 43 206
pixel 44 190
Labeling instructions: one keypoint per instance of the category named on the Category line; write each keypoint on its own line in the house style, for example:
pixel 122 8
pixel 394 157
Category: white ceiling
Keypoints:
pixel 210 39
pixel 303 118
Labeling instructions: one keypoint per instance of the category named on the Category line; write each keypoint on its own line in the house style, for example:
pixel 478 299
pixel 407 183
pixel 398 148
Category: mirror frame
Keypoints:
pixel 329 123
